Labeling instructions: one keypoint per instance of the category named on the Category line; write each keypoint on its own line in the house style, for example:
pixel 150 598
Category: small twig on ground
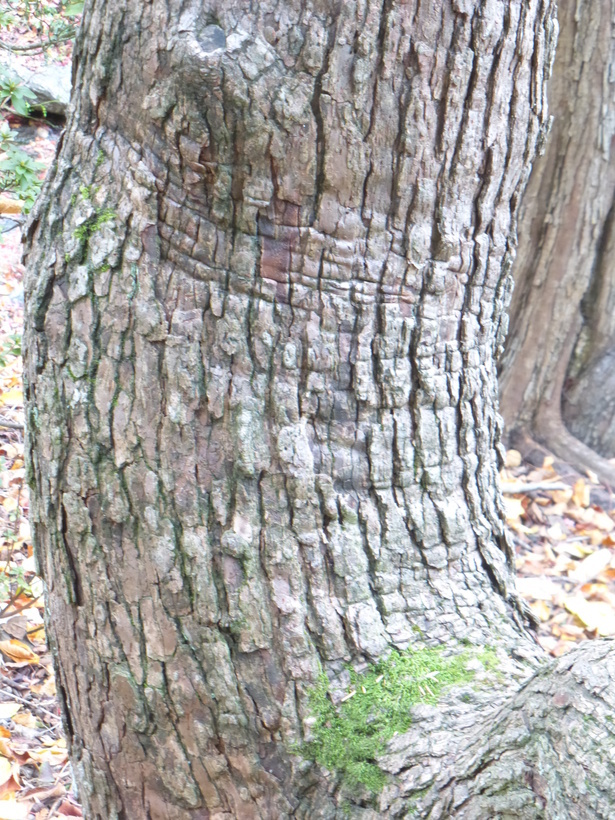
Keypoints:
pixel 11 425
pixel 54 808
pixel 34 707
pixel 21 608
pixel 10 682
pixel 40 46
pixel 518 488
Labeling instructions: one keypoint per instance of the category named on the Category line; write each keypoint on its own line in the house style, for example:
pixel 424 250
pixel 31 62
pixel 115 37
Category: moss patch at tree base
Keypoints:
pixel 348 738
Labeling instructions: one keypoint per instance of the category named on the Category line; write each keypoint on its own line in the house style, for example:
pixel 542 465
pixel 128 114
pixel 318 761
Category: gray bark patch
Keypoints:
pixel 211 39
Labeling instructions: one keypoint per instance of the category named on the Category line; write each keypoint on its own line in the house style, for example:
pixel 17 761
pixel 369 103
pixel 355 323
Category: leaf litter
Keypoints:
pixel 564 532
pixel 35 776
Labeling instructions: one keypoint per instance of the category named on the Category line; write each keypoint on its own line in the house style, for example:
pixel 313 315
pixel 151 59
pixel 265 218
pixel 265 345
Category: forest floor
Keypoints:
pixel 563 525
pixel 35 776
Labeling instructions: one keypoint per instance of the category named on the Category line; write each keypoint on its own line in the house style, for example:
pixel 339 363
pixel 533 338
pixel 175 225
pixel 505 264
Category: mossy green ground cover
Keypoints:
pixel 349 737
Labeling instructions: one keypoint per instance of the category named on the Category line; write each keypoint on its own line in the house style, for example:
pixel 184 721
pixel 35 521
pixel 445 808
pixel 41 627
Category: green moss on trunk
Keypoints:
pixel 349 737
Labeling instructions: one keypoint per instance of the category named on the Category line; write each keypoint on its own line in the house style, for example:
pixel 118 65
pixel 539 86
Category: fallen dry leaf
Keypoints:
pixel 12 397
pixel 596 538
pixel 556 533
pixel 513 458
pixel 571 631
pixel 590 567
pixel 572 548
pixel 596 519
pixel 18 652
pixel 581 494
pixel 41 793
pixel 561 647
pixel 561 496
pixel 538 589
pixel 12 810
pixel 68 809
pixel 8 710
pixel 5 747
pixel 6 770
pixel 26 719
pixel 10 504
pixel 541 610
pixel 597 616
pixel 599 591
pixel 48 689
pixel 513 508
pixel 55 754
pixel 37 635
pixel 9 205
pixel 12 785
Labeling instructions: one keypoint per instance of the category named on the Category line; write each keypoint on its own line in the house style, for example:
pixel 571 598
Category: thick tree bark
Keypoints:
pixel 265 294
pixel 562 338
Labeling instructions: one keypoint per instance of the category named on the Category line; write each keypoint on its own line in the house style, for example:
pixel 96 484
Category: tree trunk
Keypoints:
pixel 265 294
pixel 562 328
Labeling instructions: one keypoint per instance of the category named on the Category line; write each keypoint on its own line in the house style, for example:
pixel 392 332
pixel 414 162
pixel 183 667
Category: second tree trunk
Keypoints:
pixel 557 374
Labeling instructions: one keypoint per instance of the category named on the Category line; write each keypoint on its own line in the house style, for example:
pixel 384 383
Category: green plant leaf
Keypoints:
pixel 73 9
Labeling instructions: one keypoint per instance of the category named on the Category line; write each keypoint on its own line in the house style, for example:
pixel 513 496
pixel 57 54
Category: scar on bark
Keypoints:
pixel 279 235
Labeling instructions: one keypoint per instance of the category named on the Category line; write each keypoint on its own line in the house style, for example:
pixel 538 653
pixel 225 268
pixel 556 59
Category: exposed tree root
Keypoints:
pixel 537 749
pixel 546 753
pixel 551 433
